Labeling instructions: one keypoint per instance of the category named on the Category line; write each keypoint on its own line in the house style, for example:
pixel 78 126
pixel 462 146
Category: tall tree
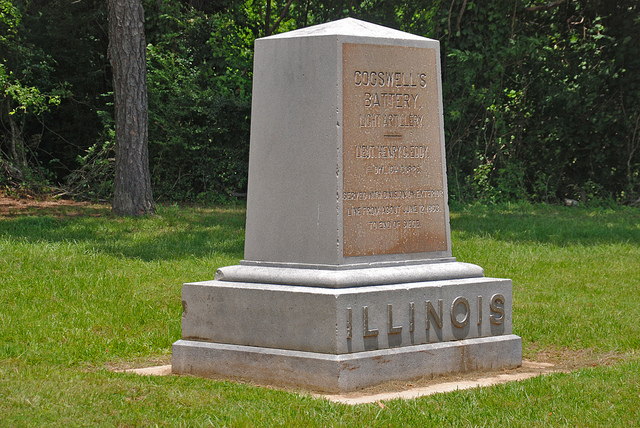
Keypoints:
pixel 127 52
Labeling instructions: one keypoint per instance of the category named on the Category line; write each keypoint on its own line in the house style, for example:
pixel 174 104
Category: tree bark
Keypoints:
pixel 267 17
pixel 127 53
pixel 282 15
pixel 17 144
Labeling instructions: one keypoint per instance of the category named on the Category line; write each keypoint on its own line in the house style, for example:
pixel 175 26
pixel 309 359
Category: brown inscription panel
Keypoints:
pixel 393 197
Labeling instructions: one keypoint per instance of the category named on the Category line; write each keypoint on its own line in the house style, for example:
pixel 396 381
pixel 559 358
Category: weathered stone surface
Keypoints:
pixel 324 186
pixel 345 372
pixel 346 278
pixel 333 320
pixel 393 188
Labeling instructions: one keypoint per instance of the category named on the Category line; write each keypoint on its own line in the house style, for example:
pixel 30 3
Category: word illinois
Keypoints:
pixel 459 315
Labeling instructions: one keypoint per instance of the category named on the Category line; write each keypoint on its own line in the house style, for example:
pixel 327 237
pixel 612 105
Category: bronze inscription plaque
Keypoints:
pixel 393 192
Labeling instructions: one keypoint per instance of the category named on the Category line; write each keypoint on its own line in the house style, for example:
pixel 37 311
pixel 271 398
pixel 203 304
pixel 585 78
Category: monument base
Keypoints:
pixel 340 339
pixel 345 372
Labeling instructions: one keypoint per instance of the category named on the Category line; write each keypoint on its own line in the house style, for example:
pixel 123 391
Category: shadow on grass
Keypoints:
pixel 175 233
pixel 180 233
pixel 547 224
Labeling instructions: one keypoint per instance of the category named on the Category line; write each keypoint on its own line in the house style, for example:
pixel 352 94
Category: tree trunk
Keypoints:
pixel 127 52
pixel 267 18
pixel 17 144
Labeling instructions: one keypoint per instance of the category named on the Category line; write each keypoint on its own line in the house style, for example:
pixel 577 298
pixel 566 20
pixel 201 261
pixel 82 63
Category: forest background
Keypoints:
pixel 541 98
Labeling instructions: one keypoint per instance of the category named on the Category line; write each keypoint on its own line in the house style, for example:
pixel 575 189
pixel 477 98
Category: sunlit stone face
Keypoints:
pixel 393 195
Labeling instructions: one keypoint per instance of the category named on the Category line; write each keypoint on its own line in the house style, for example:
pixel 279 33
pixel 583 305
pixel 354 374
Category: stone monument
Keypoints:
pixel 348 279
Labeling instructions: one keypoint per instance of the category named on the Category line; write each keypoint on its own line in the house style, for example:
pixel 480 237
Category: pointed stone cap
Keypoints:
pixel 349 27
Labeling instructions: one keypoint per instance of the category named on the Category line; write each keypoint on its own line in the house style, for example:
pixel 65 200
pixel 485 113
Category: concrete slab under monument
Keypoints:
pixel 348 278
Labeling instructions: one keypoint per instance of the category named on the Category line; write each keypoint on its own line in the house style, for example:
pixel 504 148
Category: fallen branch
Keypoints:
pixel 12 170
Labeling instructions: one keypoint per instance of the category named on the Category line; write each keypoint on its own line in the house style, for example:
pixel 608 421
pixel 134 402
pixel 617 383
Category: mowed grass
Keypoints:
pixel 82 294
pixel 575 272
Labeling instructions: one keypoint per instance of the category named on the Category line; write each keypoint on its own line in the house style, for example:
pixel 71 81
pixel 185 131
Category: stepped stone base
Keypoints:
pixel 342 339
pixel 345 372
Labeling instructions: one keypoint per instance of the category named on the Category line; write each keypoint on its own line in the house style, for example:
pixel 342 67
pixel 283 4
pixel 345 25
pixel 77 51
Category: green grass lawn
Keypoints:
pixel 82 294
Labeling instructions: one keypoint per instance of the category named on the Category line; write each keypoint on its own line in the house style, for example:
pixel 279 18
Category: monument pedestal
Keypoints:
pixel 343 338
pixel 348 278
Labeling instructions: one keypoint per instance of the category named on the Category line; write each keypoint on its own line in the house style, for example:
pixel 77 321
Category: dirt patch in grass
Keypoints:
pixel 545 362
pixel 25 204
pixel 139 363
pixel 574 359
pixel 548 361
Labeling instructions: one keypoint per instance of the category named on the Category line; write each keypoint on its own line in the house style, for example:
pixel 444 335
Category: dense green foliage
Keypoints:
pixel 200 96
pixel 544 104
pixel 542 99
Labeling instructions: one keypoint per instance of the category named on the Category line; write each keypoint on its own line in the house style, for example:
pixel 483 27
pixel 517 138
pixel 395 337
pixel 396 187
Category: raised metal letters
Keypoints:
pixel 437 317
pixel 391 329
pixel 454 320
pixel 365 324
pixel 497 306
pixel 460 315
pixel 412 317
